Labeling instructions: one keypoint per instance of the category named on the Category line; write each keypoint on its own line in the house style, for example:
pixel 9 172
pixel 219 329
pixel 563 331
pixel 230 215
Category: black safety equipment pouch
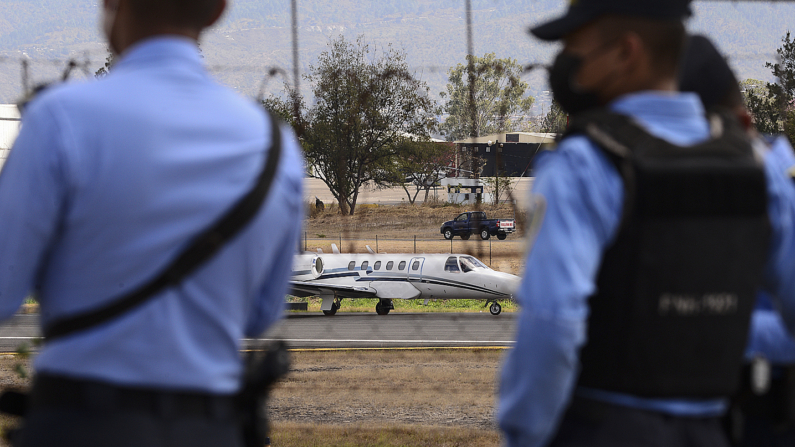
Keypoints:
pixel 774 402
pixel 676 288
pixel 263 370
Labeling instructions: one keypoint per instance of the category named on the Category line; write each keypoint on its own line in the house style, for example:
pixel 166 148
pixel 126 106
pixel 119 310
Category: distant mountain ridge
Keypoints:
pixel 255 34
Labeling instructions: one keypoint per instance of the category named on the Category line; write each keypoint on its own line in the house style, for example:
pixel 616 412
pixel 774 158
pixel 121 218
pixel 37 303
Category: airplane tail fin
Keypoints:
pixel 335 249
pixel 372 252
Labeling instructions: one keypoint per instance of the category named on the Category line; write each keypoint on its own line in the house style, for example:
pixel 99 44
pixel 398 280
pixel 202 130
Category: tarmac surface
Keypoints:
pixel 344 330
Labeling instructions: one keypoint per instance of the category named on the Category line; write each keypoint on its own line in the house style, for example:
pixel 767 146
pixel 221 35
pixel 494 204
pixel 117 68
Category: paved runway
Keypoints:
pixel 347 330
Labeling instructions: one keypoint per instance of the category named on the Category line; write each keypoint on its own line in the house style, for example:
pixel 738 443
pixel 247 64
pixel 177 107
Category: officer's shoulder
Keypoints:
pixel 578 148
pixel 46 96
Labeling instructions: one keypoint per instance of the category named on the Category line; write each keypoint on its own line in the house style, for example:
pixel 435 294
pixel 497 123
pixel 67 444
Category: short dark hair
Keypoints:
pixel 665 39
pixel 183 13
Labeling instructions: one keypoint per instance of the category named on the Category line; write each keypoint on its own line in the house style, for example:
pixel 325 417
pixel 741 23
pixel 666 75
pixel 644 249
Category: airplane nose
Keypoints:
pixel 513 285
pixel 510 282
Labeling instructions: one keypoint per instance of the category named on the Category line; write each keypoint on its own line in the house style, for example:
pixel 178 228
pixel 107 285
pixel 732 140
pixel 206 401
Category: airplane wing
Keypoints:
pixel 317 288
pixel 379 289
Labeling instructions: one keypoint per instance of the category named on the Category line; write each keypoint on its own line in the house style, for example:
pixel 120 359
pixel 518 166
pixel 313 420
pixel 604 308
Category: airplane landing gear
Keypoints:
pixel 334 308
pixel 495 308
pixel 384 306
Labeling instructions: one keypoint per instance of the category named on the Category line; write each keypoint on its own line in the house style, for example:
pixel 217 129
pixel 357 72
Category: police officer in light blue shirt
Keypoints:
pixel 760 415
pixel 107 182
pixel 612 299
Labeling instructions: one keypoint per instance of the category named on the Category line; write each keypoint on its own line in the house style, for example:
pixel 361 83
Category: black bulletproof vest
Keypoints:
pixel 677 287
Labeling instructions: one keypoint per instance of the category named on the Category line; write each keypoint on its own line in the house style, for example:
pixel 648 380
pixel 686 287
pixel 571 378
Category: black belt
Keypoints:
pixel 59 392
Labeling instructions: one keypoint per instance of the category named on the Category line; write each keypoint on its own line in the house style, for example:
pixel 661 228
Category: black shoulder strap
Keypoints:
pixel 615 133
pixel 621 138
pixel 620 135
pixel 203 247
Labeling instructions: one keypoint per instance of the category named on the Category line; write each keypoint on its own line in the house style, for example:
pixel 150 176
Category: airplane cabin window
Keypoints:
pixel 364 265
pixel 451 265
pixel 351 265
pixel 402 265
pixel 377 265
pixel 415 265
pixel 389 265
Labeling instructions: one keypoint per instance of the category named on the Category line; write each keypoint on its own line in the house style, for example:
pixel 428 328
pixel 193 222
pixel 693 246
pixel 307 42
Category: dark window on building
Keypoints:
pixel 512 138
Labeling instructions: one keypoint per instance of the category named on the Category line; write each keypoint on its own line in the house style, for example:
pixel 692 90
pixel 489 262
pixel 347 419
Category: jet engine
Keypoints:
pixel 308 265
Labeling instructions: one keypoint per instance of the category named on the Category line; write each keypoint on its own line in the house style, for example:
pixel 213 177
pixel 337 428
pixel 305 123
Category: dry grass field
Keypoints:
pixel 397 221
pixel 388 398
pixel 435 397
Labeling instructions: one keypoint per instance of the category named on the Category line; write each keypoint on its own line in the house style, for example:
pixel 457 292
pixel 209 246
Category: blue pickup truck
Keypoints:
pixel 476 222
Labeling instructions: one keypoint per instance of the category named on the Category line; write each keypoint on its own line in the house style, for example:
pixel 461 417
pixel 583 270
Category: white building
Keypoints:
pixel 463 191
pixel 9 128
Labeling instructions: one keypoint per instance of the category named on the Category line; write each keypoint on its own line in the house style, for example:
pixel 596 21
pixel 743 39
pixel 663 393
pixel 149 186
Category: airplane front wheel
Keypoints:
pixel 495 308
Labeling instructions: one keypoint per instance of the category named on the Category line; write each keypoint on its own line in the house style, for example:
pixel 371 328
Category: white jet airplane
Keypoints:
pixel 398 276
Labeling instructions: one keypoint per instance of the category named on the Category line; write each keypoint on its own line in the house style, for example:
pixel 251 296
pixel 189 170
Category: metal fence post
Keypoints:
pixel 376 243
pixel 489 252
pixel 415 244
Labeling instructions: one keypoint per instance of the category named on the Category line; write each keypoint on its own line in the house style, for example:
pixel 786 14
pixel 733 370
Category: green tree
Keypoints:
pixel 499 97
pixel 555 121
pixel 366 104
pixel 772 105
pixel 289 108
pixel 420 166
pixel 761 104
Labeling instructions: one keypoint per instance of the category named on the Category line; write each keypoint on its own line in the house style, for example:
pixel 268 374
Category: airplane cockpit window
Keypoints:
pixel 469 263
pixel 364 265
pixel 451 265
pixel 377 265
pixel 351 265
pixel 415 265
pixel 402 265
pixel 389 265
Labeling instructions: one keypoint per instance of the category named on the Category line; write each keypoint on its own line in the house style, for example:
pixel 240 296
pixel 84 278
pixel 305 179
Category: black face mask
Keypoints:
pixel 563 80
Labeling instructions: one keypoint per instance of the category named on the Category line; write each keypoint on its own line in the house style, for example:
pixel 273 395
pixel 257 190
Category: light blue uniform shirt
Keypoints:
pixel 108 181
pixel 584 199
pixel 769 337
